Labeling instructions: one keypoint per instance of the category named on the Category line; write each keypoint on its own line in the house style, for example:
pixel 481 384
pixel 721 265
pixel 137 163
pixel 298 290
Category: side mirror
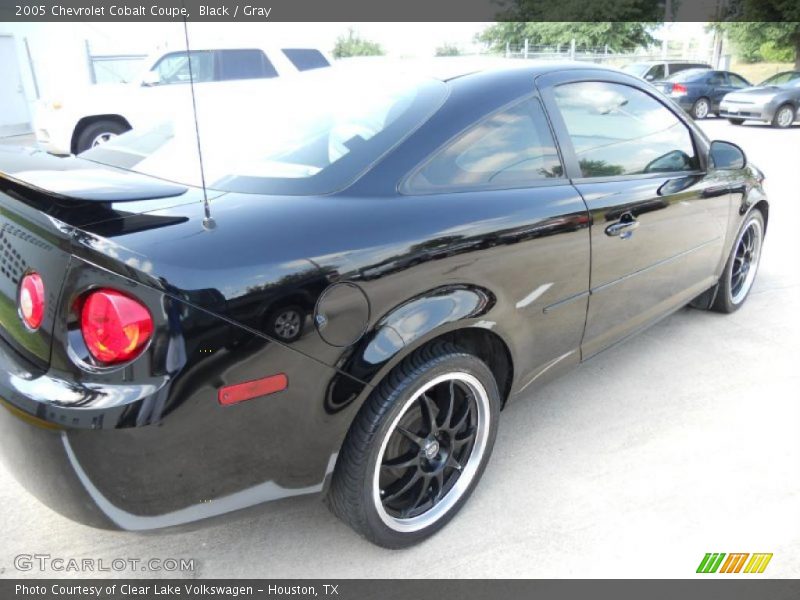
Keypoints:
pixel 151 78
pixel 726 156
pixel 649 77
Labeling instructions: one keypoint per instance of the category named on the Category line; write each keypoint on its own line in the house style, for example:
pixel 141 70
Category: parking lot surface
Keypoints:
pixel 681 441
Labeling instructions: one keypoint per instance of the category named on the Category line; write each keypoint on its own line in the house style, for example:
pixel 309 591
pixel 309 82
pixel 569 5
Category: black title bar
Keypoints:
pixel 362 10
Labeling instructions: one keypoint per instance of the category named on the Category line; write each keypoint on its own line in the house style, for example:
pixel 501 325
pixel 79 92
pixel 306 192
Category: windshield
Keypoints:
pixel 781 78
pixel 309 135
pixel 688 75
pixel 637 69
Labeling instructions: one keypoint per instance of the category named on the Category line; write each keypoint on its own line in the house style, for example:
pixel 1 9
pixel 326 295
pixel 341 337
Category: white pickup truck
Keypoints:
pixel 82 118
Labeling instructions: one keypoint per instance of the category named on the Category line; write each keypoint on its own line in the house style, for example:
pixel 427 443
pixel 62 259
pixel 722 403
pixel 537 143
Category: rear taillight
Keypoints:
pixel 677 88
pixel 115 327
pixel 31 300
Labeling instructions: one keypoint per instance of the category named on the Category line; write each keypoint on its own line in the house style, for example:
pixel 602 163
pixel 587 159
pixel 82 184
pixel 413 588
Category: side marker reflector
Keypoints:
pixel 232 394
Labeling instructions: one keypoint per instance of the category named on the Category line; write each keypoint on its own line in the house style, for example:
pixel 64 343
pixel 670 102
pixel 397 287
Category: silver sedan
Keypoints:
pixel 774 101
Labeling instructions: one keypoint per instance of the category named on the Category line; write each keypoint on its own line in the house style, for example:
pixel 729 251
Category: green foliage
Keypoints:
pixel 447 49
pixel 351 44
pixel 763 29
pixel 589 11
pixel 617 35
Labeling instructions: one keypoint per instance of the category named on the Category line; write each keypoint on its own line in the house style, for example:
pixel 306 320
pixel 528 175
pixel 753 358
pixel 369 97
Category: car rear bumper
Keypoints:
pixel 142 457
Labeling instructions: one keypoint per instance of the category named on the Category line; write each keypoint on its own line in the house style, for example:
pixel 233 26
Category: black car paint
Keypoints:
pixel 526 277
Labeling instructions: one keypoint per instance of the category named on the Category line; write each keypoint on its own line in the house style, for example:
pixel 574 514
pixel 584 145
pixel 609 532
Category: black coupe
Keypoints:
pixel 347 288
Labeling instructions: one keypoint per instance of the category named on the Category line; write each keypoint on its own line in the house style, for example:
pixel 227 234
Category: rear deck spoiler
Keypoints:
pixel 50 179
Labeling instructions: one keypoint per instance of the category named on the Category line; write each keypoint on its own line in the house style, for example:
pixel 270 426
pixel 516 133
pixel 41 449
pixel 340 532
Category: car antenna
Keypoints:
pixel 208 221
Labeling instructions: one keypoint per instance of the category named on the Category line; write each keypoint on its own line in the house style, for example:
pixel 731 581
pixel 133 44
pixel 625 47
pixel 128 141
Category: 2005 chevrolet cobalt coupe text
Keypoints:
pixel 374 267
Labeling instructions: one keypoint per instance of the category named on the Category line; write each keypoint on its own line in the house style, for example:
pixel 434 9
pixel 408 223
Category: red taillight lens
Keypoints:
pixel 677 88
pixel 31 300
pixel 115 327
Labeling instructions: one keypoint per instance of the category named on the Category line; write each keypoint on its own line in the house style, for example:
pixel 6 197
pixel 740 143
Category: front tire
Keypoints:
pixel 98 133
pixel 742 265
pixel 701 108
pixel 784 117
pixel 417 448
pixel 735 121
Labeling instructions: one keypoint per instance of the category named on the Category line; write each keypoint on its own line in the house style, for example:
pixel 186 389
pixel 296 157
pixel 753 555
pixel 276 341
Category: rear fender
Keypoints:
pixel 413 323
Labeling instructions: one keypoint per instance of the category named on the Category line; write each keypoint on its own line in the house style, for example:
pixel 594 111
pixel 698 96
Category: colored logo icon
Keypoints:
pixel 713 562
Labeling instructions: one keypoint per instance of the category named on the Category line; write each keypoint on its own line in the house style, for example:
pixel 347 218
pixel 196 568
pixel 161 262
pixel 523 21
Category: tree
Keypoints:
pixel 763 29
pixel 353 44
pixel 448 49
pixel 616 35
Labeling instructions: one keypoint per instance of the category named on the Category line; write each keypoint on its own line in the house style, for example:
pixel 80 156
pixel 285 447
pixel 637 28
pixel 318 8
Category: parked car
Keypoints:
pixel 775 100
pixel 463 240
pixel 655 70
pixel 700 91
pixel 79 119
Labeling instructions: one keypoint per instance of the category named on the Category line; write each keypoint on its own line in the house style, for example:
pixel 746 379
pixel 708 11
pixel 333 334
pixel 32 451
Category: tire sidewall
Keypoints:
pixel 450 363
pixel 91 131
pixel 781 108
pixel 696 104
pixel 724 301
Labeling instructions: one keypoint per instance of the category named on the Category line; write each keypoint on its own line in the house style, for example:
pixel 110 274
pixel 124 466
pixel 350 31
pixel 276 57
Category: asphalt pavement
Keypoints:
pixel 682 441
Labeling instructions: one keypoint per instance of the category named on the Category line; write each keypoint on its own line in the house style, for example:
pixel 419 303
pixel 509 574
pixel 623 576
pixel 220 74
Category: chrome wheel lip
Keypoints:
pixel 752 262
pixel 701 114
pixel 468 472
pixel 102 138
pixel 785 117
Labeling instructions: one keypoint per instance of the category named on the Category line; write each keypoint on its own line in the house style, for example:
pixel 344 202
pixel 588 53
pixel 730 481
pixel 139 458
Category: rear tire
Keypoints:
pixel 742 265
pixel 701 109
pixel 735 121
pixel 784 117
pixel 97 133
pixel 417 448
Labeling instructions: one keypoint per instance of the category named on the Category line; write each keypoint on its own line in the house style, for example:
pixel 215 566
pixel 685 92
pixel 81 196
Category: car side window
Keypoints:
pixel 305 59
pixel 616 129
pixel 511 148
pixel 656 72
pixel 244 64
pixel 716 79
pixel 174 67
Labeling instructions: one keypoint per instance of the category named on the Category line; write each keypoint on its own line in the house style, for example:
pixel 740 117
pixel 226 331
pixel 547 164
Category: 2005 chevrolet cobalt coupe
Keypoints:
pixel 342 294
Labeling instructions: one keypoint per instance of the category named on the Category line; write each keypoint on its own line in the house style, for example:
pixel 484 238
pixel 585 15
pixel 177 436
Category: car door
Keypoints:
pixel 718 86
pixel 498 197
pixel 658 219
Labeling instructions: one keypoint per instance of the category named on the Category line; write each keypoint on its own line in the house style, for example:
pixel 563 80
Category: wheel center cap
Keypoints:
pixel 431 449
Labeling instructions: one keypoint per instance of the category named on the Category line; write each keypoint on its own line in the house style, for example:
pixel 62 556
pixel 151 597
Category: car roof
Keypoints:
pixel 450 68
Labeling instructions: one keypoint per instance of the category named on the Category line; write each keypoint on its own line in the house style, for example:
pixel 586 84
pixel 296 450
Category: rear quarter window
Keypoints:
pixel 306 59
pixel 244 64
pixel 511 148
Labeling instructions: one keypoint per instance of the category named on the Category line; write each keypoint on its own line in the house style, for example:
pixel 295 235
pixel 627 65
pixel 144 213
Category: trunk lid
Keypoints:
pixel 41 196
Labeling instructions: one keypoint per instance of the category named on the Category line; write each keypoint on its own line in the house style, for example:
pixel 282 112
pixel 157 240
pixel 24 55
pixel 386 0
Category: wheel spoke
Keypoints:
pixel 401 462
pixel 417 475
pixel 453 463
pixel 438 477
pixel 421 495
pixel 446 423
pixel 465 438
pixel 430 412
pixel 411 436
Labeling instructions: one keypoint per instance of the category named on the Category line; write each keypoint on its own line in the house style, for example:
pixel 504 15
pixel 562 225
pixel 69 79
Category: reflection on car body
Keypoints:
pixel 378 286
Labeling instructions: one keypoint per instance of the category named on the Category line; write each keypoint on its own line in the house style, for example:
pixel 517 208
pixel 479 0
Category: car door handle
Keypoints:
pixel 623 228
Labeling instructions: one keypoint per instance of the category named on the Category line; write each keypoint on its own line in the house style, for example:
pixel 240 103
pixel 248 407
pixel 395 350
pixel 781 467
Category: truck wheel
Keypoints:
pixel 99 132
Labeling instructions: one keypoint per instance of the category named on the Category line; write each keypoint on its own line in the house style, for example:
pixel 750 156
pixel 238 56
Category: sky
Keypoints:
pixel 398 39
